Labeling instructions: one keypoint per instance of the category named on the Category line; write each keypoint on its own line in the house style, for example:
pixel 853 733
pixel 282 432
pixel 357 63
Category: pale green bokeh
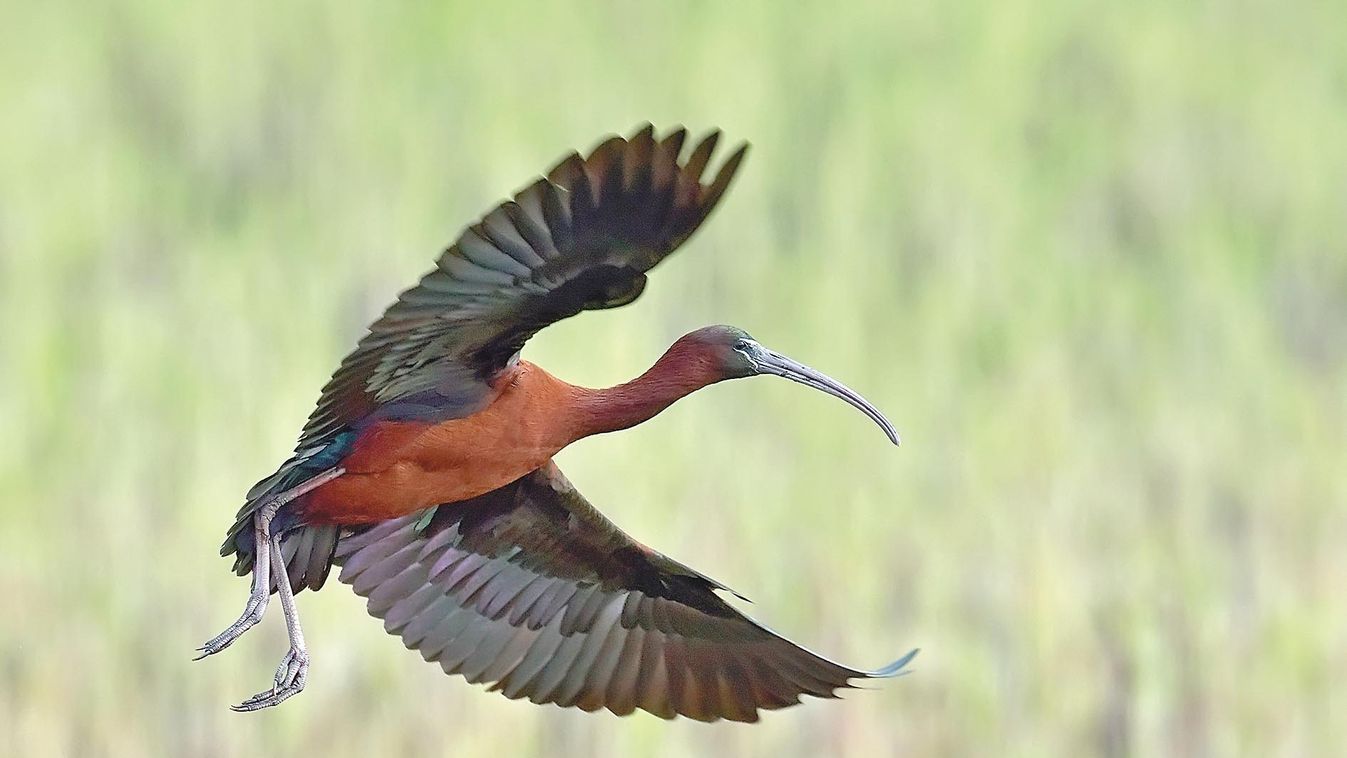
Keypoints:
pixel 1090 259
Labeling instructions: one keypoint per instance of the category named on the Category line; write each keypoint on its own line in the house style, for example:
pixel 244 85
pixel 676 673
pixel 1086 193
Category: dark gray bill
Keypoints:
pixel 770 362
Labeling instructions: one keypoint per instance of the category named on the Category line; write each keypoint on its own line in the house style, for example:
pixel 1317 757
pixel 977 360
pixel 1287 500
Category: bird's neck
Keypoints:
pixel 682 370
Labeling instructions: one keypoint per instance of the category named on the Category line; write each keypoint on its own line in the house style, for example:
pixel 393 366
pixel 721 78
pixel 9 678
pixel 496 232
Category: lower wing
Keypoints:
pixel 531 589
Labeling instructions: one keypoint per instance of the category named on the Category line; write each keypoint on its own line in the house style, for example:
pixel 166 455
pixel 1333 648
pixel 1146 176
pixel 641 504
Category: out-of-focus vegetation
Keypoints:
pixel 1090 258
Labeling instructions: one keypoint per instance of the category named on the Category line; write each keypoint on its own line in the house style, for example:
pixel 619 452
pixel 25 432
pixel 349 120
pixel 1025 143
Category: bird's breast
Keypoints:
pixel 399 467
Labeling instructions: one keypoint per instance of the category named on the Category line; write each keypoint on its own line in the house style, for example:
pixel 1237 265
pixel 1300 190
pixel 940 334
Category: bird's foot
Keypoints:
pixel 252 613
pixel 290 678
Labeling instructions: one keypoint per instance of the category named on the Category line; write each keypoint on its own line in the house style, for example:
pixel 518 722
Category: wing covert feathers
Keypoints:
pixel 580 239
pixel 530 589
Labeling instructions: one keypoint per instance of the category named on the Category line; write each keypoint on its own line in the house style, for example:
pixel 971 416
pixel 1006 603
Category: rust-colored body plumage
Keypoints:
pixel 400 467
pixel 396 468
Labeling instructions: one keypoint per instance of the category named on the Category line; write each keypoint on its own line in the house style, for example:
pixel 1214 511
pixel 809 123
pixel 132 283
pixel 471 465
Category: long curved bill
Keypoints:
pixel 771 362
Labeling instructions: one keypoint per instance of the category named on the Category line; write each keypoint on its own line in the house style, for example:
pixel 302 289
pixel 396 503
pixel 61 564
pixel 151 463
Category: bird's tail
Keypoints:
pixel 307 549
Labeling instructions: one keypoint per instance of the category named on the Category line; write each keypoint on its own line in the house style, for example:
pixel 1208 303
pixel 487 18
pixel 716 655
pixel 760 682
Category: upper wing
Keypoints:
pixel 531 588
pixel 580 239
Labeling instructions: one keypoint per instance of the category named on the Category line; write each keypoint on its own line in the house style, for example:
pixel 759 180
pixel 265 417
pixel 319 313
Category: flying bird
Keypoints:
pixel 425 471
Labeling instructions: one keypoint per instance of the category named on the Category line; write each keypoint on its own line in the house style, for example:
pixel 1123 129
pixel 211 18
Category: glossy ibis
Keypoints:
pixel 425 471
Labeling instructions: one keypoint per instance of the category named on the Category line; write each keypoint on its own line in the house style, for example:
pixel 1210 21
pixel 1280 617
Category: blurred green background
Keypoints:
pixel 1088 257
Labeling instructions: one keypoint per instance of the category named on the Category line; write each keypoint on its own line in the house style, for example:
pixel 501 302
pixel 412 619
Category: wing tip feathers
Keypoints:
pixel 897 668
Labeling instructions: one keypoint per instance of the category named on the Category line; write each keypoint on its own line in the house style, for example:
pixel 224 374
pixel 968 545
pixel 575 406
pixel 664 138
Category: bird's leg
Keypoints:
pixel 294 669
pixel 261 590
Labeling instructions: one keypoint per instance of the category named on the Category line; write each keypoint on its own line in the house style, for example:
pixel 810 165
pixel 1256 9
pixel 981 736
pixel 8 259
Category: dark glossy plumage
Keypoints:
pixel 580 238
pixel 531 589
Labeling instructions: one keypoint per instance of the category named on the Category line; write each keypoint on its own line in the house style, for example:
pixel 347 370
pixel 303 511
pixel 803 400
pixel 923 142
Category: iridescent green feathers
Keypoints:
pixel 580 239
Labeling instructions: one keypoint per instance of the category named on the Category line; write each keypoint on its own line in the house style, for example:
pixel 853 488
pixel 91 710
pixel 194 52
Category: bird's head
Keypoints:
pixel 735 354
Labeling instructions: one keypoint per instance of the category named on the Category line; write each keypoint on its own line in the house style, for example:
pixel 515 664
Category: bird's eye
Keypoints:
pixel 741 345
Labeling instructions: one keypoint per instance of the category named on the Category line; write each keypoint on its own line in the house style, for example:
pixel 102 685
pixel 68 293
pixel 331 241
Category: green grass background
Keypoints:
pixel 1089 257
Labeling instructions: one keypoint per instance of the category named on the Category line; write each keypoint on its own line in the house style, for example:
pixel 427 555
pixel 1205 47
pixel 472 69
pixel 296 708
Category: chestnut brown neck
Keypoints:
pixel 685 367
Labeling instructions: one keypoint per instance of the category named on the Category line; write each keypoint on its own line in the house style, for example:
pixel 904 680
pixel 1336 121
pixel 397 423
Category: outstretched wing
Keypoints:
pixel 530 588
pixel 580 239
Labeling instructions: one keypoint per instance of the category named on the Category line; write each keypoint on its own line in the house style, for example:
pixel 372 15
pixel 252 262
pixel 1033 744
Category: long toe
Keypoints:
pixel 268 698
pixel 251 615
pixel 295 668
pixel 223 639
